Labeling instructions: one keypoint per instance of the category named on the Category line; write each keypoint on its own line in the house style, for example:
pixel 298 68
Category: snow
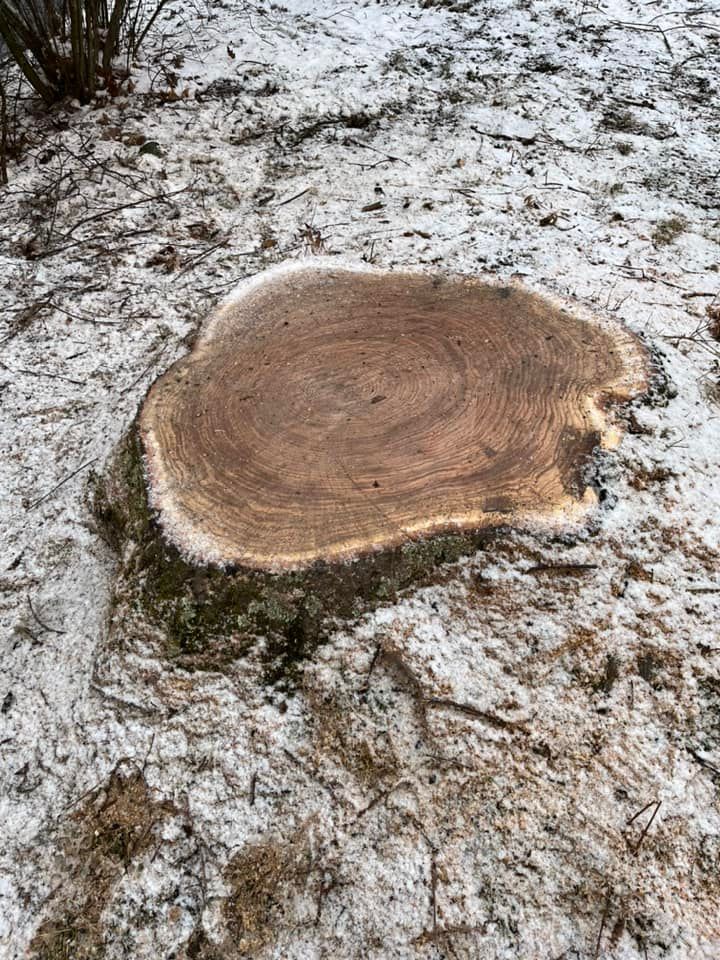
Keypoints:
pixel 594 694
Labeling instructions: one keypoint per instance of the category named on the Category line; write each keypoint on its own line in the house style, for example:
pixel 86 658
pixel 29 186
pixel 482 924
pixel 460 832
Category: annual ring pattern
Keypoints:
pixel 327 412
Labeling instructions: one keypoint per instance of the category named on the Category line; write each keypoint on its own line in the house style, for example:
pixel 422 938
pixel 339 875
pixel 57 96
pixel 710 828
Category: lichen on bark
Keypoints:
pixel 205 616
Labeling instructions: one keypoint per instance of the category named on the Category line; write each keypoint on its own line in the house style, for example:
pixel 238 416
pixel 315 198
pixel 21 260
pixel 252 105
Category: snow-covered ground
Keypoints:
pixel 516 763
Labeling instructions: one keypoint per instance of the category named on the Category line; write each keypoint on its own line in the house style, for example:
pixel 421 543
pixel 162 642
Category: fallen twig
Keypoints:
pixel 703 762
pixel 526 141
pixel 297 196
pixel 194 261
pixel 253 787
pixel 35 503
pixel 603 921
pixel 40 622
pixel 148 368
pixel 77 316
pixel 563 568
pixel 381 797
pixel 159 197
pixel 312 775
pixel 470 711
pixel 50 376
pixel 386 157
pixel 656 804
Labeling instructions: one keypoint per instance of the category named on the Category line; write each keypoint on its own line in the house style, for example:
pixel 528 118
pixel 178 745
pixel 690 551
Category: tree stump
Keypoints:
pixel 330 414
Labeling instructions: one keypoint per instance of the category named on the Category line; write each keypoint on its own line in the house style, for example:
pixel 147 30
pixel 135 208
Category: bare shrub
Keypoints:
pixel 12 132
pixel 70 49
pixel 4 134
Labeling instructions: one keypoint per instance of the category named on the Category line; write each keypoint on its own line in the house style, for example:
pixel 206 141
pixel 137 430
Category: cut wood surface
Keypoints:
pixel 327 412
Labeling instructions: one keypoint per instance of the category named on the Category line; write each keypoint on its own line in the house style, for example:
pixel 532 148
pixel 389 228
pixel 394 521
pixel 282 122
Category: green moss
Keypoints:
pixel 209 616
pixel 119 500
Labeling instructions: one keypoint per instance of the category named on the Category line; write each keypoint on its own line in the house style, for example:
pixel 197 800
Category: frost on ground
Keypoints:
pixel 521 761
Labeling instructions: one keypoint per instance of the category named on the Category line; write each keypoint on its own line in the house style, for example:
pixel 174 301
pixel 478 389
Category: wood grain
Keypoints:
pixel 328 412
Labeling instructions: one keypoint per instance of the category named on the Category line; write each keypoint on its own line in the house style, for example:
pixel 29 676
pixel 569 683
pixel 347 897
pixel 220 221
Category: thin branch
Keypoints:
pixel 159 197
pixel 647 826
pixel 40 622
pixel 471 711
pixel 35 503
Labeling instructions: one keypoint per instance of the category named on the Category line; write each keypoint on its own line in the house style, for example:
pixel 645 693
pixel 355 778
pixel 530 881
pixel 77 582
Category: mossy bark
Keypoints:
pixel 208 616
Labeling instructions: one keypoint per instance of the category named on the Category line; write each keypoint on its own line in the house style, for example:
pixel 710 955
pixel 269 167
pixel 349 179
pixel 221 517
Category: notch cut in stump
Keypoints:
pixel 327 413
